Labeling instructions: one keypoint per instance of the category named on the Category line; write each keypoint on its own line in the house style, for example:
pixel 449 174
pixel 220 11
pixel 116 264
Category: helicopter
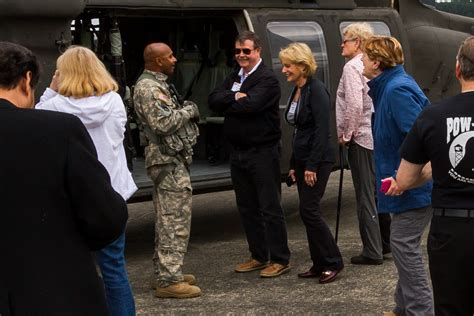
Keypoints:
pixel 202 33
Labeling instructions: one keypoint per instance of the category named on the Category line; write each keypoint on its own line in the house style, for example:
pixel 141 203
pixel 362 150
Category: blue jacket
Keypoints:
pixel 397 101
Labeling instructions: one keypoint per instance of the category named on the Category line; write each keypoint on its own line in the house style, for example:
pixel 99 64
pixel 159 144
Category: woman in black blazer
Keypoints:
pixel 313 156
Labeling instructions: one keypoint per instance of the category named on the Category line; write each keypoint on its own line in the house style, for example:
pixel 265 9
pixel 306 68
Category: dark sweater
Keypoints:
pixel 252 121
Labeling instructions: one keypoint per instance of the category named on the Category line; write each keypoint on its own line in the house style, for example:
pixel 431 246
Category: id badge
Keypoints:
pixel 293 107
pixel 236 87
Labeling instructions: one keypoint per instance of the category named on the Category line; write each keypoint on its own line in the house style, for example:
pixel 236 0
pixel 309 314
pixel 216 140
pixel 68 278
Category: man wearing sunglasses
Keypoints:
pixel 249 99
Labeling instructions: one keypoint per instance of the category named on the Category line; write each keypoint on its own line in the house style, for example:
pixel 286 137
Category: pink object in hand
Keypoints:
pixel 386 183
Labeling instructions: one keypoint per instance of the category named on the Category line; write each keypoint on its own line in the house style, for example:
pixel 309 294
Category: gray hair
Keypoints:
pixel 360 30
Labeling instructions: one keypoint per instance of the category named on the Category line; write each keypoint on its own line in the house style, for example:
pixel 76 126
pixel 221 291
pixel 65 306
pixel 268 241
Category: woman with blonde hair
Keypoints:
pixel 83 87
pixel 354 129
pixel 312 158
pixel 398 100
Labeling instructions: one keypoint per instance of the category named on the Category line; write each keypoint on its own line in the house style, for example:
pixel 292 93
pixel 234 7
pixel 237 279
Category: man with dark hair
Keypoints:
pixel 440 146
pixel 18 64
pixel 249 99
pixel 71 208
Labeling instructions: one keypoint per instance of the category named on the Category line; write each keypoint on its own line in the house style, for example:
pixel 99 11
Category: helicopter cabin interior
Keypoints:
pixel 203 42
pixel 203 46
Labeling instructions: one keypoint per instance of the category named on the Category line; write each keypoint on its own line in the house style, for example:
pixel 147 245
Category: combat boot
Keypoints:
pixel 178 290
pixel 188 278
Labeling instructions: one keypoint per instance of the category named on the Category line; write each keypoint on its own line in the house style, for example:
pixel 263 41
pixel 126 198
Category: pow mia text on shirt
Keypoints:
pixel 461 149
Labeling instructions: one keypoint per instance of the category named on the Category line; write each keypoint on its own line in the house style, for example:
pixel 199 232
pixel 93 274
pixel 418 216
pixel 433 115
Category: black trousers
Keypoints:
pixel 322 247
pixel 256 178
pixel 451 255
pixel 384 223
pixel 362 166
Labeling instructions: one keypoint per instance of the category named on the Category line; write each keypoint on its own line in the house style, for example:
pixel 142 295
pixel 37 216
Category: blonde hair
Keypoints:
pixel 385 49
pixel 299 53
pixel 82 74
pixel 361 30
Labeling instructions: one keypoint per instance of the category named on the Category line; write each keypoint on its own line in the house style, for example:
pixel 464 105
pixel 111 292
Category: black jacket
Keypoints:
pixel 252 121
pixel 312 139
pixel 57 204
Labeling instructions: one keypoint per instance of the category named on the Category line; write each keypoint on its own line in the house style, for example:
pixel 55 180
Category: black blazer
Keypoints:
pixel 56 205
pixel 312 139
pixel 252 121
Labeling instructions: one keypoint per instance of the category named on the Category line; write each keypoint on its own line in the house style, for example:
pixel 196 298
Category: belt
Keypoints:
pixel 249 148
pixel 453 212
pixel 244 148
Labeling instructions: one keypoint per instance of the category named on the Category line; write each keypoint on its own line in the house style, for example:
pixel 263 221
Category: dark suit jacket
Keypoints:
pixel 312 141
pixel 252 121
pixel 56 205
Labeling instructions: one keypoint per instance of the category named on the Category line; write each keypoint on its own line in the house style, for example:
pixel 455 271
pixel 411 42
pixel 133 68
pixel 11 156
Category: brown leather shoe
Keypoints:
pixel 329 275
pixel 178 290
pixel 250 265
pixel 311 273
pixel 274 270
pixel 188 278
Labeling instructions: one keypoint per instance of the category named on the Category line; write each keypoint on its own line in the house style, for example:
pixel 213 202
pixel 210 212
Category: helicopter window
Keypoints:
pixel 380 28
pixel 465 7
pixel 280 34
pixel 84 32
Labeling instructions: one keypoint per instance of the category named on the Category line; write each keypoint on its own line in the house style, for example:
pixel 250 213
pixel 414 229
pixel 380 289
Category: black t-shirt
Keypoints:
pixel 444 135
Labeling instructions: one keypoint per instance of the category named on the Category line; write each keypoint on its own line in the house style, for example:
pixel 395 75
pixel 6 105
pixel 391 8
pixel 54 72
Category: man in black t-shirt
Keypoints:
pixel 441 145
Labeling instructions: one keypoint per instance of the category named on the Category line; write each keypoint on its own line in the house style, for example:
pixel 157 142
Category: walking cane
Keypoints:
pixel 339 197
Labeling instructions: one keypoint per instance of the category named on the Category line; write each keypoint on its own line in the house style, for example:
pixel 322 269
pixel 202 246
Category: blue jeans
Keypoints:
pixel 119 295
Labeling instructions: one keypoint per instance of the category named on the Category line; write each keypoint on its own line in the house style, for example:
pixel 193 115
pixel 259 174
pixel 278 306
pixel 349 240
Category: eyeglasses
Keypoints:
pixel 246 51
pixel 349 40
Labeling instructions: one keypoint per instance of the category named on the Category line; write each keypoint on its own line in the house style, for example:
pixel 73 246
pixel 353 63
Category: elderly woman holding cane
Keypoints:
pixel 312 158
pixel 353 114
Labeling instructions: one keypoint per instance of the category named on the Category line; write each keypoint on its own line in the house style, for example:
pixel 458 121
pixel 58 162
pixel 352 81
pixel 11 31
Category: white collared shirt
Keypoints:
pixel 244 76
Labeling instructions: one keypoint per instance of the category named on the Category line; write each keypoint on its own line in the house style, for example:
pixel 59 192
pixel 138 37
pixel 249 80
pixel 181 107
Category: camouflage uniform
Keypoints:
pixel 171 135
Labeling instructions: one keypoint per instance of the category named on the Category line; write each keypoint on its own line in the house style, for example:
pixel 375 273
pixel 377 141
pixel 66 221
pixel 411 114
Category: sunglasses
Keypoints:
pixel 246 51
pixel 349 40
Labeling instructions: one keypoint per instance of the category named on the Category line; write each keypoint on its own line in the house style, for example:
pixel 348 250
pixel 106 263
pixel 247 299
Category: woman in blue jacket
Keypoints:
pixel 313 156
pixel 397 101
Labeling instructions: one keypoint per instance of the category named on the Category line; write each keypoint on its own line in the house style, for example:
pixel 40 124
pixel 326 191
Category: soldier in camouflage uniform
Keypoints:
pixel 170 128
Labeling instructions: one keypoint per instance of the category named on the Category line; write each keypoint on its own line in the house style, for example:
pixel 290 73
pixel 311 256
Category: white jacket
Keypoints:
pixel 104 117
